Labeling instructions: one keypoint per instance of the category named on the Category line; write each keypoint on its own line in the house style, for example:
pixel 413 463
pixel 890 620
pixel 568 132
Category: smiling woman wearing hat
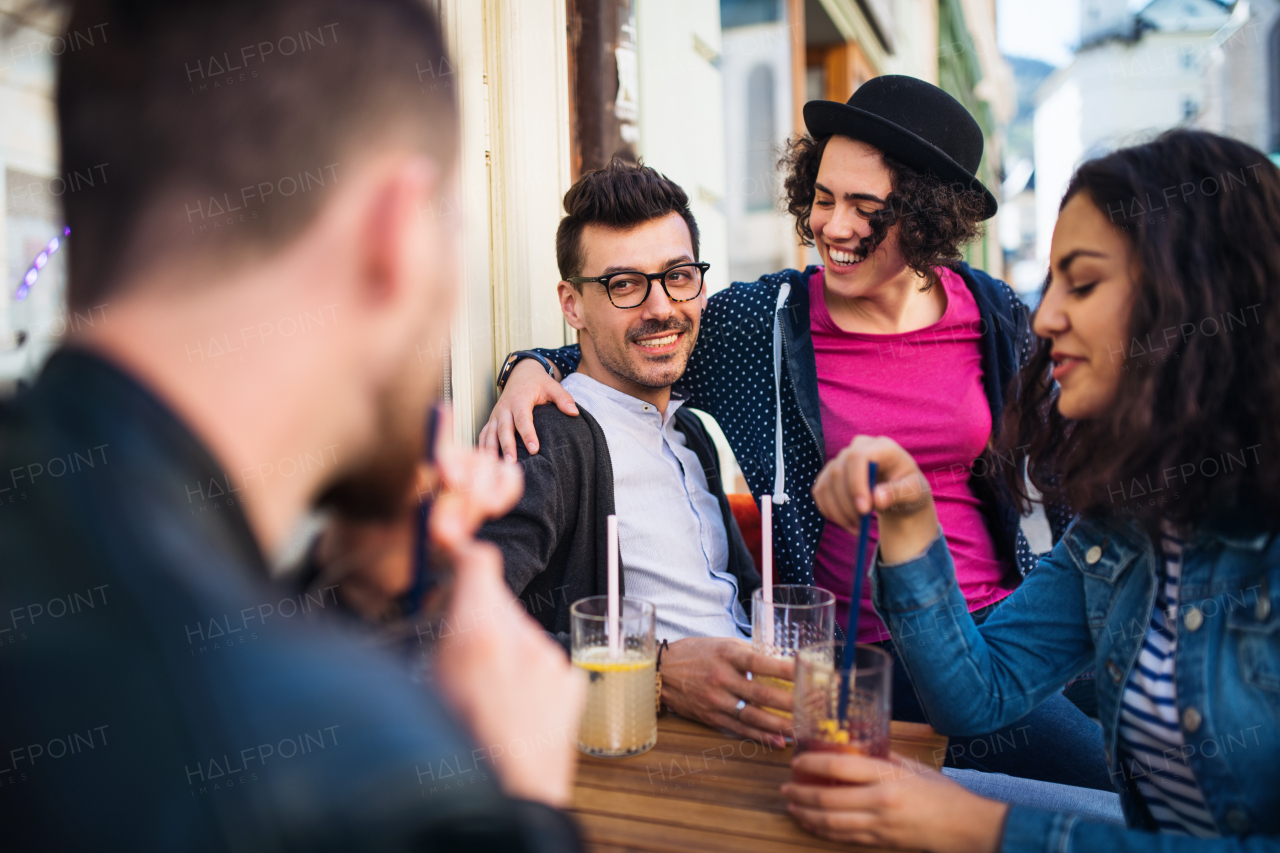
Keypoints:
pixel 891 335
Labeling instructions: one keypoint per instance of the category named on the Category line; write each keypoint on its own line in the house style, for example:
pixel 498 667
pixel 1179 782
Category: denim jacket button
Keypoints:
pixel 1263 610
pixel 1194 619
pixel 1191 719
pixel 1238 822
pixel 1093 555
pixel 1115 672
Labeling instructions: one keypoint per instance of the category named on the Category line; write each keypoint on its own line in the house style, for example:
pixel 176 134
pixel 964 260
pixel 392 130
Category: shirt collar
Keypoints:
pixel 629 404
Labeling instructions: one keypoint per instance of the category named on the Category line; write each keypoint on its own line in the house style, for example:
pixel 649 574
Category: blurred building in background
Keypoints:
pixel 31 214
pixel 1017 223
pixel 1208 64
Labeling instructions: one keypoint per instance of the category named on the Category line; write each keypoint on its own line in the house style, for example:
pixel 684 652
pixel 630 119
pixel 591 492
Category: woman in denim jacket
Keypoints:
pixel 1160 417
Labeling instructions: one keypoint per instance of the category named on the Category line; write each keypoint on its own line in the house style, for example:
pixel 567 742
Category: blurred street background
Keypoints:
pixel 708 92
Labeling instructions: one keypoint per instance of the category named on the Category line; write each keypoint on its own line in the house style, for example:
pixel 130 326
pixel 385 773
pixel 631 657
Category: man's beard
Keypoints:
pixel 619 364
pixel 378 490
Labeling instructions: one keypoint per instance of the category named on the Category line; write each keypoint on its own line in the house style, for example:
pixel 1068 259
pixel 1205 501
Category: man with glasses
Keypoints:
pixel 633 287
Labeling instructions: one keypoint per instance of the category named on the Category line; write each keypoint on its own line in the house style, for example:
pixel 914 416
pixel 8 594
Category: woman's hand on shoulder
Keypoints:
pixel 527 387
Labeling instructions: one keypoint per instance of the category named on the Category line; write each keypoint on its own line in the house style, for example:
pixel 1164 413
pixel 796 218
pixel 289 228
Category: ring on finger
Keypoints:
pixel 737 710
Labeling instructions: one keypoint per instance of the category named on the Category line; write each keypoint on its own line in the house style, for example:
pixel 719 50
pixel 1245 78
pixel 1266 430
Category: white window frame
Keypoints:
pixel 512 84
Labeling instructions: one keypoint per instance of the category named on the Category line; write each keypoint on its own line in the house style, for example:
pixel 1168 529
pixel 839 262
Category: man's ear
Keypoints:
pixel 401 245
pixel 571 305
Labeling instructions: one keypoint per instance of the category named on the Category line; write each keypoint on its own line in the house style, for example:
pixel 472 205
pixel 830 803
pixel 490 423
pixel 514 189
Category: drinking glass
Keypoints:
pixel 620 717
pixel 802 617
pixel 821 683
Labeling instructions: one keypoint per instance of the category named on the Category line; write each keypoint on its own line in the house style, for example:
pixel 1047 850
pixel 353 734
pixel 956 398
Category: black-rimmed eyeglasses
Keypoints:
pixel 630 288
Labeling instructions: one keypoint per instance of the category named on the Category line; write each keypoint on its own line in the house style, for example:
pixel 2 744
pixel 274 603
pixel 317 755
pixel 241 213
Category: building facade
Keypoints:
pixel 1173 63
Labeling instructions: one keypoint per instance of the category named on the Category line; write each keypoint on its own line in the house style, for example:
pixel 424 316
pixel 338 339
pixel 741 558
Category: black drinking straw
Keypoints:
pixel 423 579
pixel 855 603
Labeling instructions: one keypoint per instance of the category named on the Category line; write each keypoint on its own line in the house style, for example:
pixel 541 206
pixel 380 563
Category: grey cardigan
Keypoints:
pixel 553 542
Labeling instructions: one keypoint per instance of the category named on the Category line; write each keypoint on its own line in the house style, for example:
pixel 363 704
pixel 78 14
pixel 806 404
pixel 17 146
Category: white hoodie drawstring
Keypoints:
pixel 780 474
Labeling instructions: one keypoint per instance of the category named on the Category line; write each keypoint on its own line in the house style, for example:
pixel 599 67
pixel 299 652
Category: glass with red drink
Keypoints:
pixel 861 726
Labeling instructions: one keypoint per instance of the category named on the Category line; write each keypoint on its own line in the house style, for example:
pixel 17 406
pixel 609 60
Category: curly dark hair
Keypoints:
pixel 1196 420
pixel 935 218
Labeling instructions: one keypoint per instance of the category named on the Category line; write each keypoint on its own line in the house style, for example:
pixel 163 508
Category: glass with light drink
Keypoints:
pixel 867 690
pixel 620 717
pixel 802 616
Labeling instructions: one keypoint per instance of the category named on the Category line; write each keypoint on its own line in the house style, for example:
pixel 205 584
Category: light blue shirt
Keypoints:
pixel 671 535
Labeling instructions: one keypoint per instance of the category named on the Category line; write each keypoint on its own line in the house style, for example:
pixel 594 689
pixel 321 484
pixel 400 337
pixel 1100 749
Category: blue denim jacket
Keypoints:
pixel 1088 604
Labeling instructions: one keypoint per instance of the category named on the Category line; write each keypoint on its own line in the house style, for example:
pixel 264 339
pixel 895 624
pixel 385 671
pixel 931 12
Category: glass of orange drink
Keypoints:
pixel 799 616
pixel 620 717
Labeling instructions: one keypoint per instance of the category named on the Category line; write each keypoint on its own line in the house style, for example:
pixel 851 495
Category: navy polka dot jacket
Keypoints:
pixel 754 358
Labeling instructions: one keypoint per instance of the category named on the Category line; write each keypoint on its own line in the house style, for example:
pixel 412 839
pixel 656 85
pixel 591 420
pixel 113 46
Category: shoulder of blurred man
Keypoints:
pixel 203 705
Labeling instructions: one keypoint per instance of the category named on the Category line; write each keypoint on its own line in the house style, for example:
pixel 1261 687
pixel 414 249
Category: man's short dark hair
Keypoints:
pixel 622 195
pixel 215 127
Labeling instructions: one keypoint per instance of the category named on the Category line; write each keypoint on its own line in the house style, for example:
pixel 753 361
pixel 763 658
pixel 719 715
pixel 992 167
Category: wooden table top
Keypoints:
pixel 698 790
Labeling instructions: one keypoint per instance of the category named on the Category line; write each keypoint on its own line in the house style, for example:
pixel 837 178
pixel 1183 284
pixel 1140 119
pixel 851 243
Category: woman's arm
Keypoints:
pixel 970 681
pixel 529 385
pixel 1029 830
pixel 973 680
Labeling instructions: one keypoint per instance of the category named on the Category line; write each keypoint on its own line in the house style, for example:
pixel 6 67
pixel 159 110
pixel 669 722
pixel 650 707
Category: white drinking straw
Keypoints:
pixel 612 628
pixel 766 552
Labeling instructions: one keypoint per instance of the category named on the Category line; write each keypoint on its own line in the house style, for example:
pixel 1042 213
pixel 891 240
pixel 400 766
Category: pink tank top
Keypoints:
pixel 924 390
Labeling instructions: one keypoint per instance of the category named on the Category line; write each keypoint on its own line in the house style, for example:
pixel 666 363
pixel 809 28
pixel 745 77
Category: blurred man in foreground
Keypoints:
pixel 269 272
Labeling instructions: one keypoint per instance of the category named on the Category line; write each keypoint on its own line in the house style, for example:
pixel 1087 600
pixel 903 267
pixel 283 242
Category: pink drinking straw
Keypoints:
pixel 613 617
pixel 766 553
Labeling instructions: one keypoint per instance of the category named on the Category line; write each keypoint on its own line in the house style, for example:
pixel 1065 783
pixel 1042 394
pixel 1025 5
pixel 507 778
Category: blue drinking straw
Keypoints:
pixel 851 636
pixel 423 580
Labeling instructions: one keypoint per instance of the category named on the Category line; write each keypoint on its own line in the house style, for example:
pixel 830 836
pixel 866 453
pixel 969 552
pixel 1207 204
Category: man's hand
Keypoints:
pixel 473 487
pixel 703 678
pixel 501 674
pixel 513 685
pixel 908 521
pixel 527 387
pixel 372 561
pixel 895 803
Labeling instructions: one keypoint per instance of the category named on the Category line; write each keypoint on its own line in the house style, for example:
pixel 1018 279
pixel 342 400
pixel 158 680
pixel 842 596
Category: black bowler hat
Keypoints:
pixel 912 121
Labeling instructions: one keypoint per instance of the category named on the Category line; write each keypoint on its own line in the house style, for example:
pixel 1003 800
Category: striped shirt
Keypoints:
pixel 1151 742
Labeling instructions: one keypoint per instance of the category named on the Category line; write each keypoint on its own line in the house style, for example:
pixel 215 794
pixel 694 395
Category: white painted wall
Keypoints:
pixel 915 40
pixel 28 142
pixel 512 82
pixel 760 241
pixel 680 86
